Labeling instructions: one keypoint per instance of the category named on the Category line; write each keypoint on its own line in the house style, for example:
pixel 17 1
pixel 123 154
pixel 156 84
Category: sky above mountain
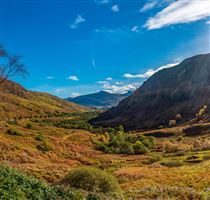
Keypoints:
pixel 73 47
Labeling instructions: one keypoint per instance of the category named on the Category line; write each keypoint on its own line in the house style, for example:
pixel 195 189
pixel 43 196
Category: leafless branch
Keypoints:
pixel 10 65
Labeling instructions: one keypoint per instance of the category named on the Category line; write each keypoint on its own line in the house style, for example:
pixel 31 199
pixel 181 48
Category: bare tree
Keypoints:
pixel 10 65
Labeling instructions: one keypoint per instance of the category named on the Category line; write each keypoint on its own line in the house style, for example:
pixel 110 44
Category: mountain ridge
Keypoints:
pixel 182 89
pixel 101 99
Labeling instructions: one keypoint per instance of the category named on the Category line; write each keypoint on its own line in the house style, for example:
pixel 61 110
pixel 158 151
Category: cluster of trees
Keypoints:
pixel 77 121
pixel 124 143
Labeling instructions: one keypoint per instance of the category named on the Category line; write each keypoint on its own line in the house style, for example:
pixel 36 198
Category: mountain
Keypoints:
pixel 16 101
pixel 100 99
pixel 182 89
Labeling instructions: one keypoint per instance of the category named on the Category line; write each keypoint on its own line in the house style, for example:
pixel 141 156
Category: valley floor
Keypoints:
pixel 178 165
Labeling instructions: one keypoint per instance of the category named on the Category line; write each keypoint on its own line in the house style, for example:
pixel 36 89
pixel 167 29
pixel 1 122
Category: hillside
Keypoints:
pixel 183 89
pixel 100 99
pixel 16 101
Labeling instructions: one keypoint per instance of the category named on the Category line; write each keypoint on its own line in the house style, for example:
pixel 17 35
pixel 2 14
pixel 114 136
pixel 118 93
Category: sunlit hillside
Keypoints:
pixel 17 102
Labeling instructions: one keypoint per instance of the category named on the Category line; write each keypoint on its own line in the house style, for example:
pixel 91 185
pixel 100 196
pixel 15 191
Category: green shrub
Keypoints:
pixel 92 179
pixel 206 157
pixel 100 146
pixel 139 148
pixel 44 147
pixel 172 163
pixel 120 128
pixel 16 186
pixel 153 159
pixel 13 132
pixel 148 141
pixel 180 138
pixel 40 137
pixel 126 148
pixel 29 126
pixel 193 159
pixel 169 147
pixel 12 122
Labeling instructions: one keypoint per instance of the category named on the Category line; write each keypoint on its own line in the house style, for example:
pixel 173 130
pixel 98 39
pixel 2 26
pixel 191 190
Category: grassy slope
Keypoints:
pixel 136 173
pixel 15 101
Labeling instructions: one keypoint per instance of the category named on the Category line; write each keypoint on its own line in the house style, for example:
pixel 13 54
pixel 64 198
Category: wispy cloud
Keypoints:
pixel 114 88
pixel 107 30
pixel 152 4
pixel 102 2
pixel 60 90
pixel 75 94
pixel 115 34
pixel 50 77
pixel 178 12
pixel 119 83
pixel 109 78
pixel 208 22
pixel 115 8
pixel 93 62
pixel 78 20
pixel 135 29
pixel 150 72
pixel 149 5
pixel 73 78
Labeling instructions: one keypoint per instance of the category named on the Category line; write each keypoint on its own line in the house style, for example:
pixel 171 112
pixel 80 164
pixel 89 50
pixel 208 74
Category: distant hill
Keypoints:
pixel 100 99
pixel 182 89
pixel 16 101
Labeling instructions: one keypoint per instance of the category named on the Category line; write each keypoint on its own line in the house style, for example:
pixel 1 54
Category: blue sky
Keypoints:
pixel 77 47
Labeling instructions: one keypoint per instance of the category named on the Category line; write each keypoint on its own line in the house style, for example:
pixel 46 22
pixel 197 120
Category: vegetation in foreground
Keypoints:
pixel 16 186
pixel 175 167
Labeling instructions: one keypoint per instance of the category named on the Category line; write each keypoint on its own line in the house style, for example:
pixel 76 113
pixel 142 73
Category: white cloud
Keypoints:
pixel 109 78
pixel 102 2
pixel 50 77
pixel 78 20
pixel 178 12
pixel 116 88
pixel 103 82
pixel 149 5
pixel 149 72
pixel 60 90
pixel 135 29
pixel 73 78
pixel 115 8
pixel 119 83
pixel 75 94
